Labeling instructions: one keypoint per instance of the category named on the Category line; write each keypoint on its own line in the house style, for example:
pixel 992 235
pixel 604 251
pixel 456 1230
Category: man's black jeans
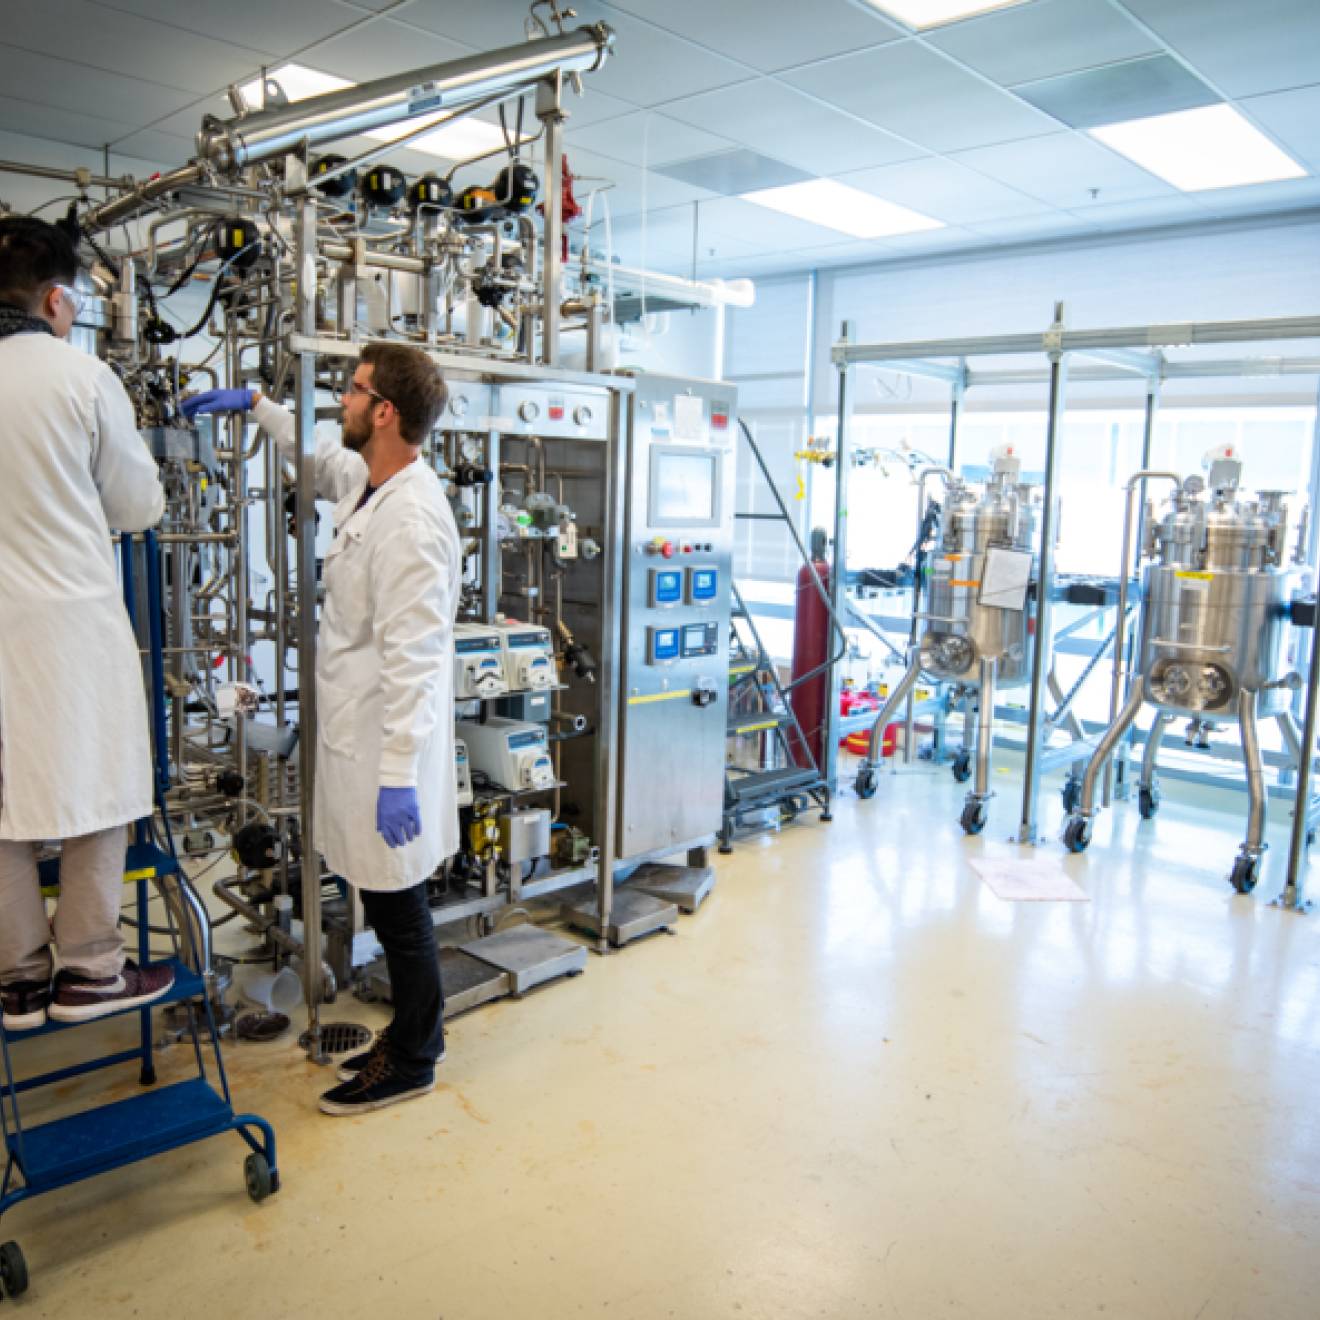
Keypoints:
pixel 402 922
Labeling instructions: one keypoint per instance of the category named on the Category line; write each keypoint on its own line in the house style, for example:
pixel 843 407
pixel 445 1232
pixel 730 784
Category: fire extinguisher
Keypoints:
pixel 811 646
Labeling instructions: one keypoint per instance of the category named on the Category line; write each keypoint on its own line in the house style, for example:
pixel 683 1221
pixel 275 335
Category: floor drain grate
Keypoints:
pixel 340 1037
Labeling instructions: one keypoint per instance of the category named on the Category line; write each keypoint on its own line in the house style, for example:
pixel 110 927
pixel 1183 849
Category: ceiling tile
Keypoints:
pixel 791 126
pixel 920 95
pixel 1063 168
pixel 792 34
pixel 1115 93
pixel 645 137
pixel 1243 48
pixel 81 129
pixel 277 29
pixel 1040 40
pixel 1288 195
pixel 75 88
pixel 629 189
pixel 945 190
pixel 1057 224
pixel 592 107
pixel 186 121
pixel 1130 215
pixel 161 148
pixel 490 25
pixel 648 65
pixel 734 172
pixel 89 34
pixel 379 48
pixel 762 227
pixel 1294 120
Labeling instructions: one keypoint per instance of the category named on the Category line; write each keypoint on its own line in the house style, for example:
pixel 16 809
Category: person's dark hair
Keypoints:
pixel 33 256
pixel 410 381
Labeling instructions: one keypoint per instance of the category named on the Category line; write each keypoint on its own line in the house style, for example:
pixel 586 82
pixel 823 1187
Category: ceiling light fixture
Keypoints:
pixel 921 14
pixel 1196 150
pixel 834 205
pixel 460 140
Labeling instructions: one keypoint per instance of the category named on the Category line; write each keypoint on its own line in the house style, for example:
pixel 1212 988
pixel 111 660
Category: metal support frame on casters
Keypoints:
pixel 1045 580
pixel 838 573
pixel 1120 352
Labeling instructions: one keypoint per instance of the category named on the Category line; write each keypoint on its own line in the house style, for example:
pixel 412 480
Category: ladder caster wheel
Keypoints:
pixel 974 817
pixel 1245 873
pixel 1071 793
pixel 257 1176
pixel 962 767
pixel 1148 801
pixel 13 1270
pixel 1077 834
pixel 867 782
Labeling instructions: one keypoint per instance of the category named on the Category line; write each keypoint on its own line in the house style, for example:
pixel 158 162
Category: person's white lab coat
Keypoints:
pixel 384 663
pixel 75 751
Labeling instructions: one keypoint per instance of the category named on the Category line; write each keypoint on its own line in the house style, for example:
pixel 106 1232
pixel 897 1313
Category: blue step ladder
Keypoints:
pixel 54 1154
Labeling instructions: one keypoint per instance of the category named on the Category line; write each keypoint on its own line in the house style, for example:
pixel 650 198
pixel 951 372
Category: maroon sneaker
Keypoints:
pixel 79 999
pixel 25 1004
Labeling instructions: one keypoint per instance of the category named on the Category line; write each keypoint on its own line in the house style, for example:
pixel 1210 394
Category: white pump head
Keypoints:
pixel 1006 463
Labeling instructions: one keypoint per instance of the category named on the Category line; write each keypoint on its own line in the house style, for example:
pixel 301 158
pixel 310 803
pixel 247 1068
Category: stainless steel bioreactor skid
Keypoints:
pixel 1216 645
pixel 592 746
pixel 971 620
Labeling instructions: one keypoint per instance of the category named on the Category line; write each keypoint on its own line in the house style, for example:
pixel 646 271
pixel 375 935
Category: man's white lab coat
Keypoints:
pixel 75 752
pixel 384 663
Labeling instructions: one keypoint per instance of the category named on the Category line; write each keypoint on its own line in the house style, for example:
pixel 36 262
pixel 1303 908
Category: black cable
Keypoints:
pixel 219 289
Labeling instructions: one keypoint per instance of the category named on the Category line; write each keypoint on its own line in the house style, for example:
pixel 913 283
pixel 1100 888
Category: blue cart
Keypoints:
pixel 94 1141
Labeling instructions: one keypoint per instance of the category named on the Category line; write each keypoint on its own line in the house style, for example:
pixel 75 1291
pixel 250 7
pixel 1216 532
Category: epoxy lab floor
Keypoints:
pixel 855 1084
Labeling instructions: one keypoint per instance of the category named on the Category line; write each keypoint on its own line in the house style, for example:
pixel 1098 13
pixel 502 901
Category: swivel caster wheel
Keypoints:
pixel 1077 834
pixel 962 767
pixel 1148 801
pixel 258 1178
pixel 974 816
pixel 1245 874
pixel 13 1270
pixel 1071 793
pixel 867 782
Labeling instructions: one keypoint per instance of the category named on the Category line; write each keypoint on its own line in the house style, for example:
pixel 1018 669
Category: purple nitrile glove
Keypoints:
pixel 216 401
pixel 398 817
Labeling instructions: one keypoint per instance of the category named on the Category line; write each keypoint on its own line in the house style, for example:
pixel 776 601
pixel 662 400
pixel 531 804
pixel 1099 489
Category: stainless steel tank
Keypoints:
pixel 1216 642
pixel 974 620
pixel 960 631
pixel 1215 619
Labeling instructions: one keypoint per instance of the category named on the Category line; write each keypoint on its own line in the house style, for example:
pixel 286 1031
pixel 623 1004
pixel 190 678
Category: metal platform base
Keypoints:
pixel 684 886
pixel 467 982
pixel 635 914
pixel 529 955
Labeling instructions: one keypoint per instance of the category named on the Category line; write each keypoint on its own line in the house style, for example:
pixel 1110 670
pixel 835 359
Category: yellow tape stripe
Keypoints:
pixel 1199 577
pixel 754 728
pixel 741 669
pixel 964 582
pixel 659 696
pixel 147 873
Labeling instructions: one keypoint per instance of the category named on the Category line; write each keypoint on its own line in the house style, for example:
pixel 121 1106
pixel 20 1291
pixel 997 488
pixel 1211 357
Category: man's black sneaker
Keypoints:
pixel 355 1063
pixel 375 1087
pixel 25 1004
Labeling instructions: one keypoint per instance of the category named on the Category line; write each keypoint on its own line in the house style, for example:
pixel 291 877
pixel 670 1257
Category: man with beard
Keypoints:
pixel 384 691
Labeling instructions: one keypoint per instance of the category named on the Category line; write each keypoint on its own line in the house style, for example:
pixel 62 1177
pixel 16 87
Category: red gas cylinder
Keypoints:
pixel 811 648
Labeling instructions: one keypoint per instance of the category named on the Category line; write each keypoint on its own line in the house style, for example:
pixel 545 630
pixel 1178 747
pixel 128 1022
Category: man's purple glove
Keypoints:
pixel 398 817
pixel 217 401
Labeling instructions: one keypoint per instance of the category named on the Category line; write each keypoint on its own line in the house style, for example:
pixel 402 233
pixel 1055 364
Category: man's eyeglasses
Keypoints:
pixel 351 387
pixel 75 299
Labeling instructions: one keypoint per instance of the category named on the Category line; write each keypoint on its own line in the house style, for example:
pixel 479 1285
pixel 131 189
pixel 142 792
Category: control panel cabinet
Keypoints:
pixel 678 547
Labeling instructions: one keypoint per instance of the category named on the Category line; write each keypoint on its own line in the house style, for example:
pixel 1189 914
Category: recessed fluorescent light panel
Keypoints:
pixel 921 14
pixel 460 140
pixel 1195 150
pixel 836 206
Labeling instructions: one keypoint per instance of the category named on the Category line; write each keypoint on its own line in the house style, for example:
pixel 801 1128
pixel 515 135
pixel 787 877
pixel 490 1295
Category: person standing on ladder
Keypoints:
pixel 75 753
pixel 386 808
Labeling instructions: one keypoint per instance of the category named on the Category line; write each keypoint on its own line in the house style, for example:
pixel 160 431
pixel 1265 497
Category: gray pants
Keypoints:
pixel 86 926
